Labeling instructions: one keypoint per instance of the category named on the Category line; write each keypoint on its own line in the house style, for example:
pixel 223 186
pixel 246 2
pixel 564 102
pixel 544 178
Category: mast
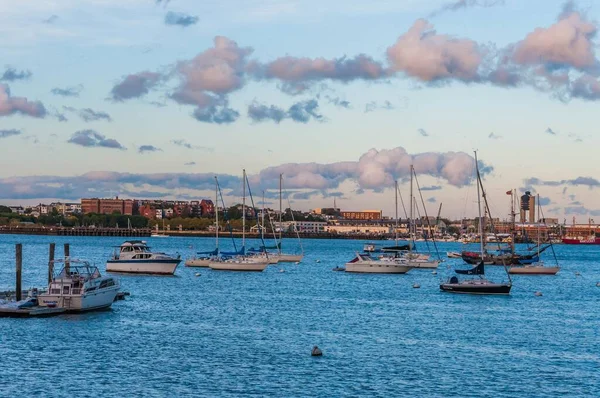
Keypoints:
pixel 262 227
pixel 538 227
pixel 480 227
pixel 410 216
pixel 280 213
pixel 244 213
pixel 217 212
pixel 396 230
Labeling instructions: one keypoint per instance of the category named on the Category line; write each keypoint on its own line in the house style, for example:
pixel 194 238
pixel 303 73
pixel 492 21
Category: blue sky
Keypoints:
pixel 99 97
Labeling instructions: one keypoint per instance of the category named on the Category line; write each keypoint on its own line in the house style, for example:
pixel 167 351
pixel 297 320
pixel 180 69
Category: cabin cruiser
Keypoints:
pixel 79 287
pixel 135 257
pixel 364 263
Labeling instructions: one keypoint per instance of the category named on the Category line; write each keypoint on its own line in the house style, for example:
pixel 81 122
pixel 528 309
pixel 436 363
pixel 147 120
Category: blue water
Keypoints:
pixel 250 334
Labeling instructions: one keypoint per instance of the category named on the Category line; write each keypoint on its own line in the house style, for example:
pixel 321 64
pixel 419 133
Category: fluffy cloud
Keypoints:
pixel 10 133
pixel 301 112
pixel 134 86
pixel 67 91
pixel 89 115
pixel 463 4
pixel 423 133
pixel 180 19
pixel 11 105
pixel 216 114
pixel 589 182
pixel 11 75
pixel 148 148
pixel 375 170
pixel 428 56
pixel 91 138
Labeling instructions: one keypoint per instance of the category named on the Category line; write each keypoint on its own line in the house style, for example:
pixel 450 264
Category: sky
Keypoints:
pixel 153 98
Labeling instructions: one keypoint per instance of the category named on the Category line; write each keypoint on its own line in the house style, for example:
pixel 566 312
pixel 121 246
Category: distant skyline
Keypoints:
pixel 152 98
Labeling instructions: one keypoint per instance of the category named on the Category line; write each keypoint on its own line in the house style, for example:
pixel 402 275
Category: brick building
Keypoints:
pixel 207 207
pixel 107 206
pixel 362 215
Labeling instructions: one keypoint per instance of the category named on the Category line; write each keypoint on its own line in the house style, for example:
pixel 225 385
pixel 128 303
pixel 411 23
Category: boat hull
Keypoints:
pixel 424 264
pixel 533 270
pixel 152 267
pixel 197 262
pixel 464 288
pixel 576 241
pixel 369 267
pixel 290 258
pixel 238 266
pixel 91 301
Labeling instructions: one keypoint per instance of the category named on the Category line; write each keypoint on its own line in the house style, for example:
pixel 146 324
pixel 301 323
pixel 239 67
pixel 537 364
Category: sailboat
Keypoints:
pixel 479 285
pixel 240 261
pixel 416 260
pixel 158 235
pixel 537 268
pixel 365 264
pixel 286 257
pixel 202 259
pixel 262 250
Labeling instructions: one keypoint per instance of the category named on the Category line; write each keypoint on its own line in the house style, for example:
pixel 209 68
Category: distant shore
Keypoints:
pixel 146 232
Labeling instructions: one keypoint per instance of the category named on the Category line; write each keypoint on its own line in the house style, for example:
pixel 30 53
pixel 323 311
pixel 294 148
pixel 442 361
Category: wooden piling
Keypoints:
pixel 51 262
pixel 67 259
pixel 19 261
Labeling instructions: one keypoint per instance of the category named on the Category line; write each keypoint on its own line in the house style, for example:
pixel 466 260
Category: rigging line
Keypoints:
pixel 254 208
pixel 425 236
pixel 294 221
pixel 427 217
pixel 549 240
pixel 225 216
pixel 493 228
pixel 402 202
pixel 273 229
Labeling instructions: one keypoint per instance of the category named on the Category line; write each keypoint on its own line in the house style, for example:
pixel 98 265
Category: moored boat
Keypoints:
pixel 135 257
pixel 79 287
pixel 365 264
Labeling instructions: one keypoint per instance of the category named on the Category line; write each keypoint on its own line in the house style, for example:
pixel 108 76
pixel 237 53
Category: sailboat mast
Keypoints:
pixel 396 230
pixel 280 214
pixel 244 212
pixel 216 213
pixel 410 217
pixel 262 227
pixel 538 226
pixel 479 223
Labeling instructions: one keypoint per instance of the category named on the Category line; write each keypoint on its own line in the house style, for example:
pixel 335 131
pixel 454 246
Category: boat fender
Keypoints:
pixel 316 352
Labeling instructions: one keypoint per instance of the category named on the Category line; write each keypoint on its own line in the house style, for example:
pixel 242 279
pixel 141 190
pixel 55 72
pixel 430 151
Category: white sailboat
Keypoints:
pixel 287 257
pixel 537 268
pixel 240 262
pixel 202 259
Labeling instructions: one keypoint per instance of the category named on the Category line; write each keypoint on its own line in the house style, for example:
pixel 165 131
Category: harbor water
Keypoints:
pixel 227 334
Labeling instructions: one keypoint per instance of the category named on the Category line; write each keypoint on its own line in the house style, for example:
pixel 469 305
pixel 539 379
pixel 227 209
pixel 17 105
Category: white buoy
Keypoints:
pixel 538 293
pixel 197 274
pixel 577 273
pixel 416 286
pixel 318 261
pixel 282 270
pixel 297 262
pixel 434 272
pixel 316 352
pixel 598 284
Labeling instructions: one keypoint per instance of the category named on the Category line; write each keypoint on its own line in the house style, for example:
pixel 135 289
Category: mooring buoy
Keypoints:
pixel 197 274
pixel 577 273
pixel 538 293
pixel 282 270
pixel 316 352
pixel 434 272
pixel 597 284
pixel 318 261
pixel 416 286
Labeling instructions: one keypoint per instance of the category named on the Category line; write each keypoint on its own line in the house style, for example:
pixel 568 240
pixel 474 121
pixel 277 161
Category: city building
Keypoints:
pixel 362 215
pixel 107 206
pixel 207 207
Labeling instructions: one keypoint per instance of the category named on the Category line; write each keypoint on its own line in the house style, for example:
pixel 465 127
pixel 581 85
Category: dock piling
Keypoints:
pixel 67 259
pixel 19 264
pixel 51 262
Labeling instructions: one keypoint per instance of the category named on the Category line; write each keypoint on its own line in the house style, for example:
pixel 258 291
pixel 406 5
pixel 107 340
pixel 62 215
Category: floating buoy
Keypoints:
pixel 297 262
pixel 598 284
pixel 316 352
pixel 538 293
pixel 282 270
pixel 577 273
pixel 416 286
pixel 318 261
pixel 434 272
pixel 197 274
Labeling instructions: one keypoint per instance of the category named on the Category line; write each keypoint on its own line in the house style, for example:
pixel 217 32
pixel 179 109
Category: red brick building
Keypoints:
pixel 207 207
pixel 107 206
pixel 362 215
pixel 147 211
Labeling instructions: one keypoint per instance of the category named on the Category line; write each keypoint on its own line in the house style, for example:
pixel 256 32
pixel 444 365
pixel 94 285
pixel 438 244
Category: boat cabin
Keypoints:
pixel 133 249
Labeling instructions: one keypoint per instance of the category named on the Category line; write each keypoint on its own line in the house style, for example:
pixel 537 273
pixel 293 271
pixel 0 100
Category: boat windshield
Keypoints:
pixel 79 269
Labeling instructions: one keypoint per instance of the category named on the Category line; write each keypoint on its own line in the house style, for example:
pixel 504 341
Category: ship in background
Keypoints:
pixel 575 237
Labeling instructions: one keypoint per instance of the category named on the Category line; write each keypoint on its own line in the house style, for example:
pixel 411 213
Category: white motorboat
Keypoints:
pixel 79 287
pixel 159 236
pixel 367 265
pixel 454 255
pixel 135 257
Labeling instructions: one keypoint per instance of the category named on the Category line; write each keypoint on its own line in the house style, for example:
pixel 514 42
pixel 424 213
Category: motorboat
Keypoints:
pixel 365 264
pixel 79 287
pixel 453 255
pixel 135 257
